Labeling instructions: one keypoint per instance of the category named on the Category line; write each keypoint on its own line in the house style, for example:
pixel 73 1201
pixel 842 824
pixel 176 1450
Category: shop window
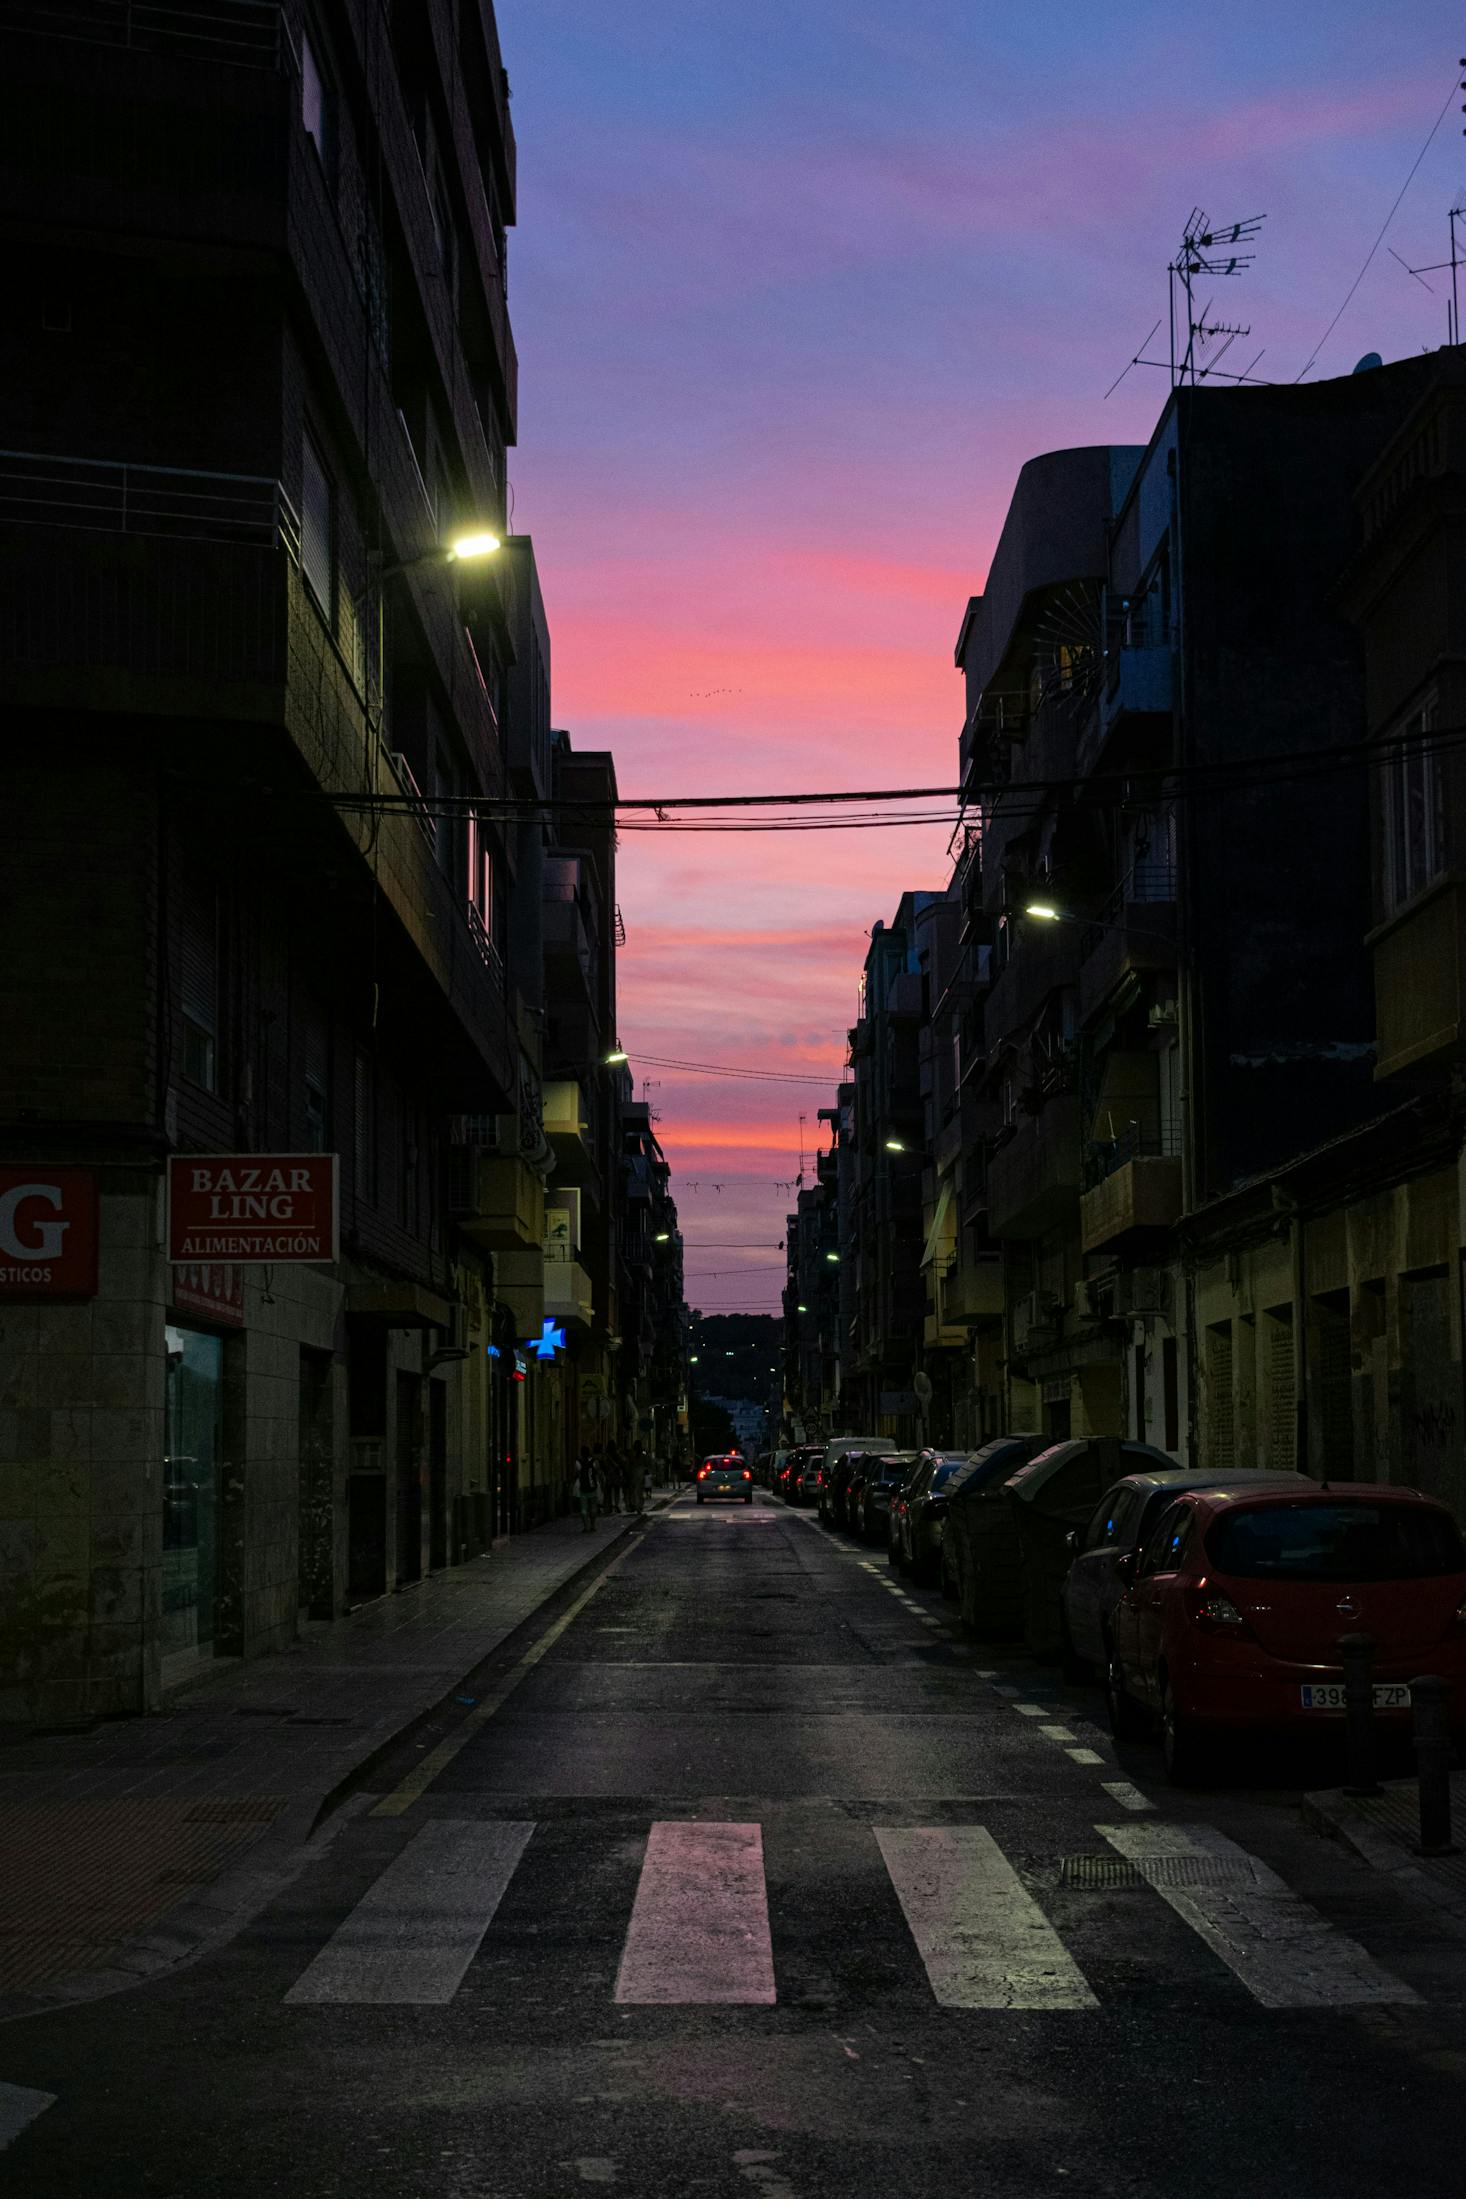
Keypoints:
pixel 193 1414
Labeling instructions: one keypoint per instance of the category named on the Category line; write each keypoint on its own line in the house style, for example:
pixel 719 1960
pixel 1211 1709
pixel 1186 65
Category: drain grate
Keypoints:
pixel 1099 1873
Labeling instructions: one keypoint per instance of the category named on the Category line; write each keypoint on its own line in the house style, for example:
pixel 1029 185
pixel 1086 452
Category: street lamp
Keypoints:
pixel 801 1309
pixel 663 1237
pixel 464 549
pixel 617 1054
pixel 833 1256
pixel 895 1145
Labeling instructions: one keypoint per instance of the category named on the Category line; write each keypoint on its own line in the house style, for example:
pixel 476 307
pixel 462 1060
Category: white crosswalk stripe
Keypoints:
pixel 982 1937
pixel 699 1932
pixel 699 1929
pixel 1282 1950
pixel 412 1936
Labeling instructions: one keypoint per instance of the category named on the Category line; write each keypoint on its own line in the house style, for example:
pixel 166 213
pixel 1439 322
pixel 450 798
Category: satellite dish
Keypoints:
pixel 1370 360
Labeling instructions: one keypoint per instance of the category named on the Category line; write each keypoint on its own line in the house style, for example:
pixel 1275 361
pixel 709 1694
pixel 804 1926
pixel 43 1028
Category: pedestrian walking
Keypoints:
pixel 615 1478
pixel 636 1480
pixel 585 1487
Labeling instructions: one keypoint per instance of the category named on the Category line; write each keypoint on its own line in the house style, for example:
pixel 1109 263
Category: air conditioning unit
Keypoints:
pixel 487 1133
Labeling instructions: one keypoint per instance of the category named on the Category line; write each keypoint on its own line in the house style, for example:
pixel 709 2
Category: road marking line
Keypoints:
pixel 19 2106
pixel 699 1931
pixel 927 1621
pixel 1084 1756
pixel 991 1673
pixel 1273 1942
pixel 1058 1733
pixel 984 1941
pixel 1030 1710
pixel 422 1775
pixel 417 1928
pixel 1127 1794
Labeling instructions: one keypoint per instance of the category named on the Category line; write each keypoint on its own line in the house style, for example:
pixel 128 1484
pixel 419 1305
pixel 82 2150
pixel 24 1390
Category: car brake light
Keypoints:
pixel 702 1473
pixel 747 1475
pixel 1216 1613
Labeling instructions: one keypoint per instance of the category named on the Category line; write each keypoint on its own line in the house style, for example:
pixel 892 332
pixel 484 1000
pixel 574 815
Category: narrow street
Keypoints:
pixel 745 1873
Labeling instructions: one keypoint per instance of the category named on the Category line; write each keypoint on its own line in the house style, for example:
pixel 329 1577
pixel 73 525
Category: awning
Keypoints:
pixel 938 1219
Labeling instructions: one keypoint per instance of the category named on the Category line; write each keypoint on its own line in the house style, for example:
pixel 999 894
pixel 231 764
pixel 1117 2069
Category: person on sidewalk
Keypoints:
pixel 615 1478
pixel 636 1480
pixel 585 1487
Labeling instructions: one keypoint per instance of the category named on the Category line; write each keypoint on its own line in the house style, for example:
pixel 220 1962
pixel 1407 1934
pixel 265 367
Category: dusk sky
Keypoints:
pixel 796 289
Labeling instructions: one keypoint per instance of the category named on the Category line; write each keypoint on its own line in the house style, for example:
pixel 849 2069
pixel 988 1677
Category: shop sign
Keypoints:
pixel 48 1232
pixel 259 1208
pixel 213 1288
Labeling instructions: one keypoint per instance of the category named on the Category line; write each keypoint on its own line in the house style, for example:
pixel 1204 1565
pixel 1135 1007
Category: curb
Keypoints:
pixel 1329 1812
pixel 212 1915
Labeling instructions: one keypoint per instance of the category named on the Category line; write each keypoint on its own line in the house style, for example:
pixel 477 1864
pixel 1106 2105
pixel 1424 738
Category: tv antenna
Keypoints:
pixel 1205 250
pixel 1454 214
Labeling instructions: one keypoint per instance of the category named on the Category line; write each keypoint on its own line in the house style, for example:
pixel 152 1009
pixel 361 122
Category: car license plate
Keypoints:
pixel 1329 1695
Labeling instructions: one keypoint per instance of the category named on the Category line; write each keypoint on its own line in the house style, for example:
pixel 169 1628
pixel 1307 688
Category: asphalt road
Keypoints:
pixel 740 1878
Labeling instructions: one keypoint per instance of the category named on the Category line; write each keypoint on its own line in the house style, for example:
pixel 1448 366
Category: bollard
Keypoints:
pixel 1430 1700
pixel 1357 1651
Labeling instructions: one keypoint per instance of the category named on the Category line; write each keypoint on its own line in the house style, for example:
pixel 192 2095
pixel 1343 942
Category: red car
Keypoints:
pixel 1231 1613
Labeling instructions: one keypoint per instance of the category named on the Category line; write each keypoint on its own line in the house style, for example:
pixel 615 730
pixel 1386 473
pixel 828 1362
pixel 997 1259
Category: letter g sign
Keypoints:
pixel 48 1232
pixel 43 1239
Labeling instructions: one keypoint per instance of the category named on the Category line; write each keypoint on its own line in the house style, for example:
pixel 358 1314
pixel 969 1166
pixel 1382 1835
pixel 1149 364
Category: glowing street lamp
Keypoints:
pixel 895 1145
pixel 616 1055
pixel 465 548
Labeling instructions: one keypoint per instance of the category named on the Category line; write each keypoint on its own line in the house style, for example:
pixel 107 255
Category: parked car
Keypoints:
pixel 835 1486
pixel 918 1516
pixel 811 1474
pixel 762 1466
pixel 1127 1513
pixel 1231 1614
pixel 725 1477
pixel 877 1477
pixel 805 1456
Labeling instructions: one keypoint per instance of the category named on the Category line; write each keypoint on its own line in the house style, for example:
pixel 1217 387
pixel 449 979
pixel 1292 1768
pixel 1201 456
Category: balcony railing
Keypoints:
pixel 247 33
pixel 402 771
pixel 1136 1142
pixel 112 496
pixel 1144 883
pixel 488 953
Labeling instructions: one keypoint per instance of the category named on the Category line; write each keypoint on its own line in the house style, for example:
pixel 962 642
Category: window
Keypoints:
pixel 1336 1542
pixel 199 984
pixel 1167 1546
pixel 317 101
pixel 364 1129
pixel 318 528
pixel 1109 1529
pixel 1415 850
pixel 315 1116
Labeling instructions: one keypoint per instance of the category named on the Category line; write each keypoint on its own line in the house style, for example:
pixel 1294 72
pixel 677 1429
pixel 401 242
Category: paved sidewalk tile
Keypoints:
pixel 142 1822
pixel 1384 1829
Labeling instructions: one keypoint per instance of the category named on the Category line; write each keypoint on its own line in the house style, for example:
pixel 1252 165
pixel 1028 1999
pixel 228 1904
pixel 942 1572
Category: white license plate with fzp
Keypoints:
pixel 1329 1695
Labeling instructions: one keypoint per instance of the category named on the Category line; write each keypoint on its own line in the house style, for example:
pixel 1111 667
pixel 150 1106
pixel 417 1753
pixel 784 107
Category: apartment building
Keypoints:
pixel 260 899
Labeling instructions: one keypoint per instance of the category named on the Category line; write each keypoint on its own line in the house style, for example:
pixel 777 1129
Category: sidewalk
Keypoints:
pixel 1383 1830
pixel 134 1847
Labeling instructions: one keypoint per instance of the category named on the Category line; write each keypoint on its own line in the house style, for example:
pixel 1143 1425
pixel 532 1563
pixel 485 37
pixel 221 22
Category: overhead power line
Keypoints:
pixel 725 1069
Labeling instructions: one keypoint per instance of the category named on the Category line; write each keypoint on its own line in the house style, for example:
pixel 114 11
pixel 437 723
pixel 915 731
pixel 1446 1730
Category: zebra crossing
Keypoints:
pixel 983 1934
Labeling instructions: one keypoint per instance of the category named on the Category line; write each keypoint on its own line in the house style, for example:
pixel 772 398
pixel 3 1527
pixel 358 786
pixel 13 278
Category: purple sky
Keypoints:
pixel 797 287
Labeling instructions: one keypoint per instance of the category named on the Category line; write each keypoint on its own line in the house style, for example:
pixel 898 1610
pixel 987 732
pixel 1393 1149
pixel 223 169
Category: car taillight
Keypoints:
pixel 1216 1613
pixel 746 1475
pixel 702 1473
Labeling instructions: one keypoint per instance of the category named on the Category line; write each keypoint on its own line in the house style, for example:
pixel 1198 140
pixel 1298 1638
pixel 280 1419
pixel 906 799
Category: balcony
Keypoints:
pixel 1135 1184
pixel 1033 1180
pixel 1044 959
pixel 1420 982
pixel 1135 930
pixel 972 1289
pixel 568 1293
pixel 498 1199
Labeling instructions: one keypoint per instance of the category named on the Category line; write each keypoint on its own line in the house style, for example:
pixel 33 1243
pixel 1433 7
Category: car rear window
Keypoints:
pixel 1336 1542
pixel 942 1473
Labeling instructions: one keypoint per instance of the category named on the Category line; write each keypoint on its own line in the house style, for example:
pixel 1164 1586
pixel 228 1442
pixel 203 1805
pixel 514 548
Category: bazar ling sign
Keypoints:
pixel 261 1207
